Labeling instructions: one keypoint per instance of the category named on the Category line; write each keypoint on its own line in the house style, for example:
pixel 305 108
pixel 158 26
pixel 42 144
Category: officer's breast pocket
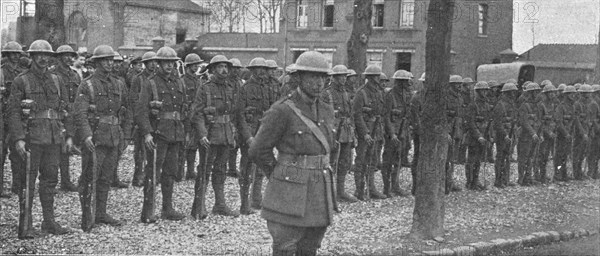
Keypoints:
pixel 287 191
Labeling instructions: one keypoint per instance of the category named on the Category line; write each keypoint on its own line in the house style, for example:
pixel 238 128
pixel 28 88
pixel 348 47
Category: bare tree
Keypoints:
pixel 429 210
pixel 270 10
pixel 361 31
pixel 50 21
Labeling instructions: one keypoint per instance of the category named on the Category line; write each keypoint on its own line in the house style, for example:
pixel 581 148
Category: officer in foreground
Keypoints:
pixel 300 197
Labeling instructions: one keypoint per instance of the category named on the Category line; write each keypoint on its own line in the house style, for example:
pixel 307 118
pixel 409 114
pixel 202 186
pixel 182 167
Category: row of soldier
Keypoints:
pixel 173 118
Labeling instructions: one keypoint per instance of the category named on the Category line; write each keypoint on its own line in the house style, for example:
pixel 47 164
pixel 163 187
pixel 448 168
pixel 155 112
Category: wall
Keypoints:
pixel 100 21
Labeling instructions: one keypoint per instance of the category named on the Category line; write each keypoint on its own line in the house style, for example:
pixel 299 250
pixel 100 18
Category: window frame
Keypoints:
pixel 483 19
pixel 328 4
pixel 407 20
pixel 375 14
pixel 302 7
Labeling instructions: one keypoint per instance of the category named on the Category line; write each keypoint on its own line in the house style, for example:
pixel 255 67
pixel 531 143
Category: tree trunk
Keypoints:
pixel 50 21
pixel 428 215
pixel 359 39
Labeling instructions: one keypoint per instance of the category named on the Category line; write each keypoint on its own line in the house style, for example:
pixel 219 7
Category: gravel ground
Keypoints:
pixel 375 227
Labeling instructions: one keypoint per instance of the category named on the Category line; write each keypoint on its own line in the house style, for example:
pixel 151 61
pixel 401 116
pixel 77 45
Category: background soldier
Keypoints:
pixel 139 150
pixel 368 113
pixel 37 102
pixel 187 153
pixel 160 116
pixel 300 196
pixel 467 95
pixel 454 111
pixel 341 157
pixel 352 82
pixel 136 68
pixel 235 75
pixel 565 120
pixel 416 104
pixel 530 136
pixel 253 102
pixel 478 135
pixel 397 103
pixel 66 56
pixel 504 114
pixel 583 132
pixel 594 154
pixel 547 109
pixel 10 70
pixel 214 119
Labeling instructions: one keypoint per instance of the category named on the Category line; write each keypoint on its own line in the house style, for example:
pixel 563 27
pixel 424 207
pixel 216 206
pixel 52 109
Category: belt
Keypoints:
pixel 112 120
pixel 46 114
pixel 304 161
pixel 173 115
pixel 224 119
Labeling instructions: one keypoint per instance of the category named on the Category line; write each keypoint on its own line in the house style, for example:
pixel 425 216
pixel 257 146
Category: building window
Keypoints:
pixel 403 60
pixel 375 58
pixel 302 17
pixel 483 19
pixel 407 13
pixel 328 14
pixel 377 19
pixel 180 35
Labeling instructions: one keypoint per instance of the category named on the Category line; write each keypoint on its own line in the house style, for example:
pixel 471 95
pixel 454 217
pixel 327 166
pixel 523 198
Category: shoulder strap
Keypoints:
pixel 154 89
pixel 311 125
pixel 92 93
pixel 55 80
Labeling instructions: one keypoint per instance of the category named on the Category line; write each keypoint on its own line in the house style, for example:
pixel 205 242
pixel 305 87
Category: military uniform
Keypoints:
pixel 479 120
pixel 565 118
pixel 530 123
pixel 139 150
pixel 72 80
pixel 168 127
pixel 416 108
pixel 397 106
pixel 547 110
pixel 582 125
pixel 187 152
pixel 43 130
pixel 594 152
pixel 455 114
pixel 233 153
pixel 9 74
pixel 368 111
pixel 300 196
pixel 505 119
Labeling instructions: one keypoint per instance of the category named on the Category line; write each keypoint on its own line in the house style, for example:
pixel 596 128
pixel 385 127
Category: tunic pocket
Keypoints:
pixel 287 191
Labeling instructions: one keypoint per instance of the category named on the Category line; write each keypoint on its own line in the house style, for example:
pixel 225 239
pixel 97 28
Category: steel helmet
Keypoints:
pixel 585 88
pixel 40 46
pixel 514 81
pixel 561 87
pixel 383 77
pixel 166 53
pixel 103 51
pixel 467 80
pixel 402 75
pixel 422 78
pixel 236 63
pixel 12 46
pixel 577 85
pixel 218 59
pixel 191 59
pixel 545 83
pixel 351 72
pixel 532 87
pixel 136 60
pixel 312 61
pixel 271 63
pixel 570 89
pixel 596 87
pixel 456 79
pixel 525 84
pixel 481 85
pixel 339 70
pixel 258 62
pixel 372 70
pixel 65 49
pixel 549 88
pixel 118 57
pixel 291 68
pixel 494 83
pixel 148 56
pixel 509 87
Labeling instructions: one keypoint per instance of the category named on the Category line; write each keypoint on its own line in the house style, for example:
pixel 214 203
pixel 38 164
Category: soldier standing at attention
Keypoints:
pixel 397 104
pixel 504 114
pixel 66 56
pixel 530 136
pixel 368 111
pixel 565 118
pixel 10 70
pixel 467 95
pixel 454 111
pixel 214 117
pixel 341 156
pixel 300 196
pixel 547 109
pixel 236 77
pixel 139 149
pixel 594 154
pixel 36 107
pixel 583 131
pixel 478 134
pixel 161 116
pixel 253 103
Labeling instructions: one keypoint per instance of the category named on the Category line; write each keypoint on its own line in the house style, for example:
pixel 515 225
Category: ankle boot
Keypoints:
pixel 48 224
pixel 343 196
pixel 257 190
pixel 101 216
pixel 220 207
pixel 372 189
pixel 167 204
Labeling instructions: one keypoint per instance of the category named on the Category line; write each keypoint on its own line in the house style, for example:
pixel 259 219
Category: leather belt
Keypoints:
pixel 304 161
pixel 46 114
pixel 112 120
pixel 173 115
pixel 224 119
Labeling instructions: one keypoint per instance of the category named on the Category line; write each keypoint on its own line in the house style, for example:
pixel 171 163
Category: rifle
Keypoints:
pixel 88 198
pixel 485 152
pixel 153 183
pixel 25 216
pixel 400 145
pixel 198 206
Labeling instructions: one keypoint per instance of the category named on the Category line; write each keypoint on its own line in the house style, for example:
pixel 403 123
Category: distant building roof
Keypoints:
pixel 173 5
pixel 571 53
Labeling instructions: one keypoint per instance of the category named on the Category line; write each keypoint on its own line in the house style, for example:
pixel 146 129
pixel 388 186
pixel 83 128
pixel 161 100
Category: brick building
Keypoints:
pixel 481 30
pixel 562 63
